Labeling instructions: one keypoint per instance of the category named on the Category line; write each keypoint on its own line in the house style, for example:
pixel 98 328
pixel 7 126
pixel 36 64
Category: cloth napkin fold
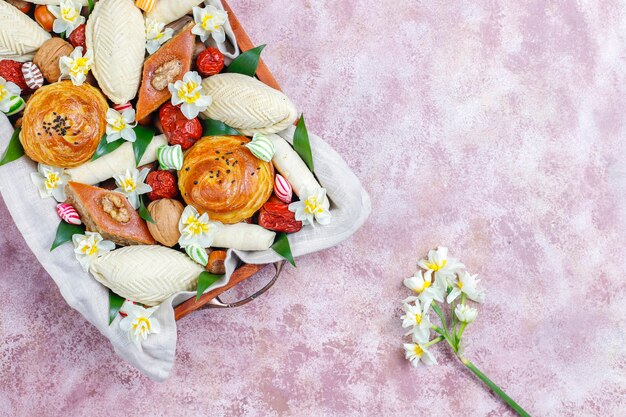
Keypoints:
pixel 37 220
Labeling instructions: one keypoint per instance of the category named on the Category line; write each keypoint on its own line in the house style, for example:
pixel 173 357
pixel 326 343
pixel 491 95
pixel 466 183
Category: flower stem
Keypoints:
pixel 434 341
pixel 519 410
pixel 461 330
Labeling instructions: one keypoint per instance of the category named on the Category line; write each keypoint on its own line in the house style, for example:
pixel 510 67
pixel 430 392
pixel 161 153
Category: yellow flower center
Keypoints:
pixel 52 180
pixel 435 266
pixel 311 206
pixel 425 285
pixel 418 351
pixel 418 318
pixel 129 185
pixel 3 92
pixel 119 124
pixel 197 227
pixel 90 249
pixel 143 323
pixel 187 94
pixel 460 285
pixel 69 14
pixel 80 65
pixel 206 21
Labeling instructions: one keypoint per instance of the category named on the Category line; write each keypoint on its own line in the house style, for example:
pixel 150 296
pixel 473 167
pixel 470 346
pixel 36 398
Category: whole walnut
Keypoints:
pixel 48 56
pixel 166 214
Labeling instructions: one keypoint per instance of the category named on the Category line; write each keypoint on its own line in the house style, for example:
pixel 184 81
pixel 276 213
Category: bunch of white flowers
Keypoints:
pixel 445 286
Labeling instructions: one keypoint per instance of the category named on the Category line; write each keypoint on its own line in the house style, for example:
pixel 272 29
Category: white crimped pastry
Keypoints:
pixel 146 274
pixel 291 166
pixel 115 33
pixel 57 2
pixel 20 36
pixel 243 236
pixel 116 162
pixel 166 11
pixel 247 104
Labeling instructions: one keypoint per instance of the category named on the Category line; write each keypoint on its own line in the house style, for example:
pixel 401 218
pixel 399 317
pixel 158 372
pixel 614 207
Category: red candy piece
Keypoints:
pixel 77 37
pixel 178 129
pixel 12 71
pixel 277 217
pixel 210 62
pixel 163 185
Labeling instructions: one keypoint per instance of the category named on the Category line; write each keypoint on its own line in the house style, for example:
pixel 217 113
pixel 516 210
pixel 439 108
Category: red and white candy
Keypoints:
pixel 121 107
pixel 282 189
pixel 68 214
pixel 32 75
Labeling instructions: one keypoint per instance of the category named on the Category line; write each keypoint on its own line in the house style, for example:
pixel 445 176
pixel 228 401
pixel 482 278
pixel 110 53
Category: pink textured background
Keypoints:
pixel 491 128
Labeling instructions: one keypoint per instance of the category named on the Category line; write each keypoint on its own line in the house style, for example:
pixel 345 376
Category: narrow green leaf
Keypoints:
pixel 143 210
pixel 65 231
pixel 216 128
pixel 205 280
pixel 281 247
pixel 115 303
pixel 91 5
pixel 301 143
pixel 105 148
pixel 247 62
pixel 144 137
pixel 14 150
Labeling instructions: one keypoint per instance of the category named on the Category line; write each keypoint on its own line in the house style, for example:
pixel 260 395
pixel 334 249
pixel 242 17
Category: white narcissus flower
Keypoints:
pixel 465 313
pixel 132 185
pixel 67 16
pixel 423 286
pixel 209 22
pixel 442 266
pixel 414 352
pixel 467 284
pixel 121 125
pixel 89 246
pixel 188 93
pixel 196 229
pixel 417 319
pixel 139 323
pixel 50 182
pixel 7 90
pixel 156 35
pixel 76 66
pixel 313 205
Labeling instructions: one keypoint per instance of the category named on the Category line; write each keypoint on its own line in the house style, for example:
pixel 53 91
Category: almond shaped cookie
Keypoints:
pixel 115 33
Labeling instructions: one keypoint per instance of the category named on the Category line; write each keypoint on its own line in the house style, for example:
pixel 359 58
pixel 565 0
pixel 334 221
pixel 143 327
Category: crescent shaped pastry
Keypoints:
pixel 20 36
pixel 57 2
pixel 243 236
pixel 125 271
pixel 166 11
pixel 247 104
pixel 63 124
pixel 291 166
pixel 116 162
pixel 222 178
pixel 115 33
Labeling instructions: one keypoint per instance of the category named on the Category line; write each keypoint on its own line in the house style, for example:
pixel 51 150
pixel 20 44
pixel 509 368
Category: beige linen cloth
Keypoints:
pixel 37 220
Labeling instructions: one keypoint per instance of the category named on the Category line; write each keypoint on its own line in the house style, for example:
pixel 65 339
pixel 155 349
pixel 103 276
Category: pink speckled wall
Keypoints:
pixel 491 127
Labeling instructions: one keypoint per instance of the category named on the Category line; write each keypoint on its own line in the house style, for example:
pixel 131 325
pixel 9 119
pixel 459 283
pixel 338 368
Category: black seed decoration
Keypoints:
pixel 228 171
pixel 196 182
pixel 187 169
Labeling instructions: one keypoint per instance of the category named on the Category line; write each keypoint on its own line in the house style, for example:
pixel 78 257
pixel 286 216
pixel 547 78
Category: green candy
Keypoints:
pixel 170 157
pixel 261 147
pixel 197 254
pixel 17 105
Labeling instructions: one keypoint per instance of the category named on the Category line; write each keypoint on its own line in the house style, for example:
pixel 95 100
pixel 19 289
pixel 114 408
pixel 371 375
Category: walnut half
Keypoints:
pixel 166 73
pixel 113 205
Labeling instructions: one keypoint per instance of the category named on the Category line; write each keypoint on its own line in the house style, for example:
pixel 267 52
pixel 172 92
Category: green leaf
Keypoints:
pixel 115 303
pixel 14 150
pixel 144 137
pixel 216 128
pixel 105 148
pixel 205 280
pixel 301 143
pixel 65 231
pixel 281 247
pixel 143 210
pixel 247 62
pixel 90 5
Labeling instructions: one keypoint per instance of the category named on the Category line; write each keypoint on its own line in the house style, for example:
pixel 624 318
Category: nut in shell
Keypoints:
pixel 166 214
pixel 48 56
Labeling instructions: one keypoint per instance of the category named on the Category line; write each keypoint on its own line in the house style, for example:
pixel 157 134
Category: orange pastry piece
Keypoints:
pixel 167 65
pixel 109 213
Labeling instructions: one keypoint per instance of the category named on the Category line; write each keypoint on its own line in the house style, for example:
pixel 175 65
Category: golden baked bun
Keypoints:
pixel 63 124
pixel 222 178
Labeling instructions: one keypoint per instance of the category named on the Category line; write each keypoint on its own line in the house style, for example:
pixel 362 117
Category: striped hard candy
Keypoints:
pixel 145 5
pixel 121 107
pixel 170 157
pixel 261 147
pixel 32 75
pixel 282 189
pixel 197 254
pixel 17 105
pixel 68 214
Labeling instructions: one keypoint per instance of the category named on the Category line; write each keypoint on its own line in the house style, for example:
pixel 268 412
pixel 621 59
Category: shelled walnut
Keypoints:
pixel 166 74
pixel 113 205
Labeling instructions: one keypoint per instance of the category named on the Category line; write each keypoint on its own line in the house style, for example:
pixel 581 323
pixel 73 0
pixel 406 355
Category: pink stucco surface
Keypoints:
pixel 494 128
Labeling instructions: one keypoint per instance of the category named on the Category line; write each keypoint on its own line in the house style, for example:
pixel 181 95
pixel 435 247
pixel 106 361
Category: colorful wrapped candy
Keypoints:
pixel 17 105
pixel 145 5
pixel 170 157
pixel 121 107
pixel 282 189
pixel 261 147
pixel 32 75
pixel 197 254
pixel 68 214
